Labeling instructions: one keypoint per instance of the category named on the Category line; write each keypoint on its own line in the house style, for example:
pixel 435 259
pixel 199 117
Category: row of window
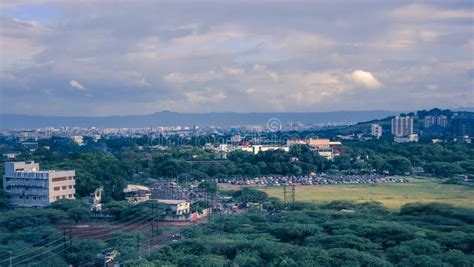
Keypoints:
pixel 25 187
pixel 30 197
pixel 63 197
pixel 57 188
pixel 31 174
pixel 59 179
pixel 22 179
pixel 22 194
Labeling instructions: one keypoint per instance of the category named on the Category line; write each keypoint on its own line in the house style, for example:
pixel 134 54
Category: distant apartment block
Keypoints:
pixel 27 186
pixel 462 124
pixel 402 126
pixel 402 129
pixel 376 130
pixel 436 121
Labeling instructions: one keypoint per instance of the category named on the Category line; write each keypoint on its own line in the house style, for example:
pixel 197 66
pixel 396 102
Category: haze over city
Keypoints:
pixel 100 58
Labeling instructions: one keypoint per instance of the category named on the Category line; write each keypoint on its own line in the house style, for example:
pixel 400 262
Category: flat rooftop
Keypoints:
pixel 171 201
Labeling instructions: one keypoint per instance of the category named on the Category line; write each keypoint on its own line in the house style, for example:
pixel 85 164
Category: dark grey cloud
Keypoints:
pixel 125 57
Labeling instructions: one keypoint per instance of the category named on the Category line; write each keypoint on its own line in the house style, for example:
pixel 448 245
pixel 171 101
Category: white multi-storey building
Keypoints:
pixel 402 129
pixel 26 186
pixel 376 130
pixel 402 126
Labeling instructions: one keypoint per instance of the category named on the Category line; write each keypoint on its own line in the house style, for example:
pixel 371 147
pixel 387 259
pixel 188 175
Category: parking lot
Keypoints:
pixel 313 180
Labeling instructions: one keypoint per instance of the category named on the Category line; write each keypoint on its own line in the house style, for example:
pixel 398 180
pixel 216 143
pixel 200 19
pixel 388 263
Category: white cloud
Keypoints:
pixel 421 12
pixel 273 75
pixel 250 90
pixel 76 85
pixel 304 65
pixel 233 71
pixel 176 77
pixel 207 95
pixel 259 67
pixel 365 79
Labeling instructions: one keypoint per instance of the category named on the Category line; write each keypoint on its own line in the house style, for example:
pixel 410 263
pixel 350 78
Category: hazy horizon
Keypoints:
pixel 470 109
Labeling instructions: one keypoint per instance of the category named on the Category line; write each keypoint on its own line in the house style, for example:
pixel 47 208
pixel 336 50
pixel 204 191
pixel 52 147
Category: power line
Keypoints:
pixel 94 237
pixel 97 236
pixel 60 235
pixel 61 238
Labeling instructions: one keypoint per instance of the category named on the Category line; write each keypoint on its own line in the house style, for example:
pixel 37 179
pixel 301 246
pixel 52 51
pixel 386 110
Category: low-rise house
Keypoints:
pixel 180 207
pixel 136 193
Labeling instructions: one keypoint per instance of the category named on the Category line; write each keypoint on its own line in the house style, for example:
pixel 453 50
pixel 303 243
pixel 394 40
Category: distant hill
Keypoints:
pixel 168 118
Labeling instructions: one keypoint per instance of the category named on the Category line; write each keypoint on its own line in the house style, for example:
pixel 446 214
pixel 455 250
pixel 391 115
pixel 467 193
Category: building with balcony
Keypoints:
pixel 25 185
pixel 402 129
pixel 433 121
pixel 376 130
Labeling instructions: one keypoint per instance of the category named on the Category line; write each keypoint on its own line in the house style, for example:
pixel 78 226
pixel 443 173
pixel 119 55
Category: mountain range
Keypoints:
pixel 169 118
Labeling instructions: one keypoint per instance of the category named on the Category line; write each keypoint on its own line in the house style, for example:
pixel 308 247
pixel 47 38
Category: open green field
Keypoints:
pixel 393 196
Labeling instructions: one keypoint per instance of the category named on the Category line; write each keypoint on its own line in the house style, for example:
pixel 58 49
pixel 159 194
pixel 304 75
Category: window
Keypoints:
pixel 56 188
pixel 70 187
pixel 64 187
pixel 70 178
pixel 59 179
pixel 70 195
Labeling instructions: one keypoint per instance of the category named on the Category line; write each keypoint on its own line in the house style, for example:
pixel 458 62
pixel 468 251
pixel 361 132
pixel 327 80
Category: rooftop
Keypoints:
pixel 171 201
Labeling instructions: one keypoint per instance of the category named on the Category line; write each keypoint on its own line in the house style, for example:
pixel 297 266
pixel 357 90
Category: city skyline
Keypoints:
pixel 124 58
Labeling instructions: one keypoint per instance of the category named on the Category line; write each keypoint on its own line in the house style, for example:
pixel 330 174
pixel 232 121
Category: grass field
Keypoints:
pixel 393 196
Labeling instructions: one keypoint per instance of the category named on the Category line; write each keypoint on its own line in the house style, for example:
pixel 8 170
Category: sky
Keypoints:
pixel 138 57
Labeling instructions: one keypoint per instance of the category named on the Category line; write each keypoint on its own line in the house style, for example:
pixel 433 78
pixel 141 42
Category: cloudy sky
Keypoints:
pixel 137 57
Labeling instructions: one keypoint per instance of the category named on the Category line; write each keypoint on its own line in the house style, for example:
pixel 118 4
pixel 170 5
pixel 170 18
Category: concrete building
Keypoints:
pixel 27 186
pixel 257 148
pixel 11 155
pixel 406 139
pixel 136 193
pixel 402 126
pixel 433 121
pixel 402 129
pixel 376 130
pixel 325 147
pixel 78 139
pixel 181 207
pixel 462 124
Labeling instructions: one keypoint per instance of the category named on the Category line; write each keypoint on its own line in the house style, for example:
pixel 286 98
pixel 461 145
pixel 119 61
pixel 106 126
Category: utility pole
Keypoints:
pixel 149 247
pixel 221 221
pixel 153 220
pixel 138 243
pixel 70 238
pixel 64 240
pixel 293 194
